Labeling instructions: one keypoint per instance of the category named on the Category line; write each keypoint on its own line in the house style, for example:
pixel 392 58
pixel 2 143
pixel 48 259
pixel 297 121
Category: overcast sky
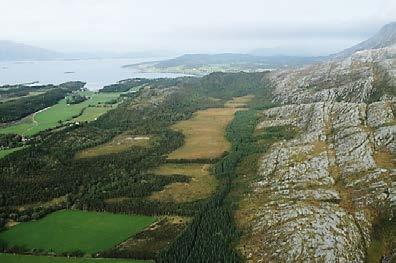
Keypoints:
pixel 304 26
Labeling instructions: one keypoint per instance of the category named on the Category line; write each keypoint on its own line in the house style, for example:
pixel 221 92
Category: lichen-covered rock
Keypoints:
pixel 379 113
pixel 386 137
pixel 358 78
pixel 315 197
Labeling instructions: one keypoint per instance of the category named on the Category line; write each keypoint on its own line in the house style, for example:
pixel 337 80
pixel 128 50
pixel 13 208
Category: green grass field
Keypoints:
pixel 9 151
pixel 120 143
pixel 91 113
pixel 10 258
pixel 61 111
pixel 71 230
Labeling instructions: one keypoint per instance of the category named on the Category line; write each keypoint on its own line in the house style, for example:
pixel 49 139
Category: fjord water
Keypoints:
pixel 95 72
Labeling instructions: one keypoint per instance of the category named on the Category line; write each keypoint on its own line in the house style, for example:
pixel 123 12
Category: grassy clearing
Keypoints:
pixel 204 139
pixel 239 102
pixel 152 240
pixel 60 112
pixel 6 152
pixel 91 114
pixel 204 134
pixel 71 230
pixel 18 127
pixel 202 184
pixel 120 143
pixel 10 258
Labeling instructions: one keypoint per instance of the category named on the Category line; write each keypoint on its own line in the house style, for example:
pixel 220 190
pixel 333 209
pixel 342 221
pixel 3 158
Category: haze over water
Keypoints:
pixel 95 72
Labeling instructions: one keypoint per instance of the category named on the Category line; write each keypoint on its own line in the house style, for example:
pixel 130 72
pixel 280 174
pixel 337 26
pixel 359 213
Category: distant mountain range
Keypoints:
pixel 198 60
pixel 202 64
pixel 259 59
pixel 15 51
pixel 10 50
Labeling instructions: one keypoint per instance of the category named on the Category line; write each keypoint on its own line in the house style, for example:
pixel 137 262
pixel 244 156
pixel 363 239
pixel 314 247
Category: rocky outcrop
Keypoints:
pixel 317 196
pixel 359 78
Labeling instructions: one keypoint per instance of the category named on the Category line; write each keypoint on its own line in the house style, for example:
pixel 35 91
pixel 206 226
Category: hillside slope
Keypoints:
pixel 386 37
pixel 319 197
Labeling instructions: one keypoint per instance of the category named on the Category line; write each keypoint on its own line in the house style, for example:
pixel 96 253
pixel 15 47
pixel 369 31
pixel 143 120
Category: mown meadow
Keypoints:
pixel 73 230
pixel 53 116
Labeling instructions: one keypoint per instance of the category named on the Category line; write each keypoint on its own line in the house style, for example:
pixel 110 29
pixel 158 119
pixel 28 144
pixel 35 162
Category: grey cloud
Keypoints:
pixel 275 31
pixel 199 26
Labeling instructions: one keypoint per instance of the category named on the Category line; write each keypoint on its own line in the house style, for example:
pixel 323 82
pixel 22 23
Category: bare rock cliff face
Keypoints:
pixel 317 196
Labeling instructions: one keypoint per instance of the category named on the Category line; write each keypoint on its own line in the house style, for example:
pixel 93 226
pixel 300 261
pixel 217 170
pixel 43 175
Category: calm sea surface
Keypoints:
pixel 95 72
